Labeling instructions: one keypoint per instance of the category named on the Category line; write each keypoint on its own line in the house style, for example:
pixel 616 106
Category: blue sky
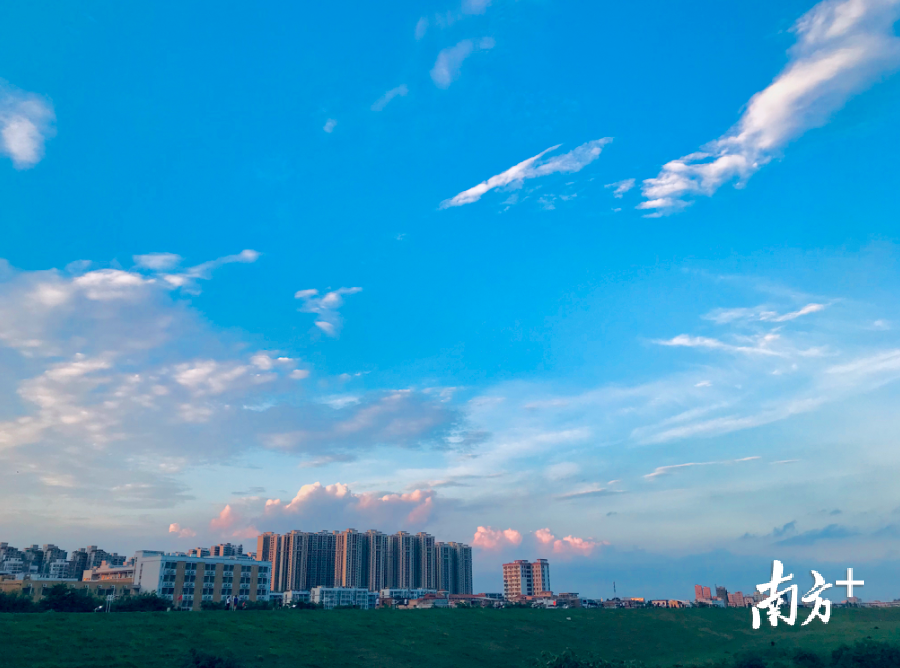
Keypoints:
pixel 612 284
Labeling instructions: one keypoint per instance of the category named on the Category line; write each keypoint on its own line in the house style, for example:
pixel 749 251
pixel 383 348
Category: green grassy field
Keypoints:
pixel 433 638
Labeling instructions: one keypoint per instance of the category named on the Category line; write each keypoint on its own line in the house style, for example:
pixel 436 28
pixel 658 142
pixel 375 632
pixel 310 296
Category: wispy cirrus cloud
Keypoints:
pixel 26 122
pixel 687 341
pixel 621 187
pixel 843 47
pixel 449 61
pixel 760 314
pixel 534 167
pixel 672 468
pixel 384 100
pixel 448 18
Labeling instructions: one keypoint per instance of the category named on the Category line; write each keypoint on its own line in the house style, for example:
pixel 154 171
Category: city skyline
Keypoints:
pixel 613 286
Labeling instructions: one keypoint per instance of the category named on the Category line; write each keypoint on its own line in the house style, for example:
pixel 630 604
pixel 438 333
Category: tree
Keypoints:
pixel 866 654
pixel 16 603
pixel 61 598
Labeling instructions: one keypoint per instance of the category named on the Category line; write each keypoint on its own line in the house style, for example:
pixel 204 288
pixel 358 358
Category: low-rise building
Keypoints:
pixel 439 600
pixel 292 597
pixel 189 581
pixel 344 597
pixel 36 586
pixel 105 572
pixel 405 594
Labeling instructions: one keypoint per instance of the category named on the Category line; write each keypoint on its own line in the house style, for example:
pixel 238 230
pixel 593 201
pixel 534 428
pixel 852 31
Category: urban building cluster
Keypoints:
pixel 704 596
pixel 331 569
pixel 528 582
pixel 370 561
pixel 50 561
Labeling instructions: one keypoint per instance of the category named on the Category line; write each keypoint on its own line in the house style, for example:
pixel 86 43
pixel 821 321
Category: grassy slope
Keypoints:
pixel 433 638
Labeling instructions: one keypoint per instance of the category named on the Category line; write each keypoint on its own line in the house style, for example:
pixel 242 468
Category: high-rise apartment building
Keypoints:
pixel 350 563
pixel 306 560
pixel 522 578
pixel 268 549
pixel 540 575
pixel 376 560
pixel 402 560
pixel 372 560
pixel 454 568
pixel 426 560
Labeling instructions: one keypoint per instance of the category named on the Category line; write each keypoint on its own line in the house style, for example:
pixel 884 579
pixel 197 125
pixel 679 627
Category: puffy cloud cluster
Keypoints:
pixel 326 307
pixel 570 545
pixel 489 538
pixel 317 506
pixel 110 373
pixel 181 532
pixel 337 501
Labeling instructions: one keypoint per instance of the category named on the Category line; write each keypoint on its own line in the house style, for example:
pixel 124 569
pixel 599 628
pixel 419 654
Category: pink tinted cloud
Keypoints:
pixel 489 538
pixel 224 520
pixel 571 545
pixel 338 500
pixel 544 536
pixel 182 532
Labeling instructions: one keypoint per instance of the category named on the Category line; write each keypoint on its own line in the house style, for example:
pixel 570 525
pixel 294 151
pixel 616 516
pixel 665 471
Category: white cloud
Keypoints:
pixel 668 470
pixel 329 126
pixel 872 365
pixel 338 504
pixel 533 167
pixel 570 545
pixel 326 307
pixel 621 187
pixel 489 538
pixel 109 373
pixel 157 261
pixel 187 279
pixel 448 18
pixel 26 121
pixel 686 341
pixel 382 102
pixel 449 61
pixel 421 28
pixel 110 284
pixel 843 46
pixel 760 314
pixel 181 532
pixel 475 6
